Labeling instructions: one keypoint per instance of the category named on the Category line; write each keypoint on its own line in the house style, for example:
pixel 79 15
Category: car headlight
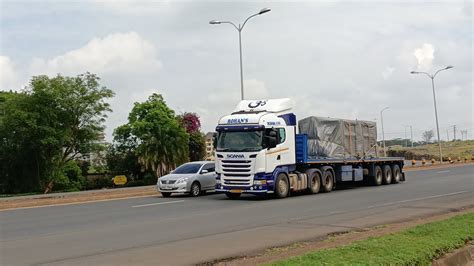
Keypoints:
pixel 259 182
pixel 182 180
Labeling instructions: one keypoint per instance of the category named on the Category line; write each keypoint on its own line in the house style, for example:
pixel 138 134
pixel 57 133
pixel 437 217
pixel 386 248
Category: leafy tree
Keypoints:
pixel 190 122
pixel 54 121
pixel 158 139
pixel 197 141
pixel 427 136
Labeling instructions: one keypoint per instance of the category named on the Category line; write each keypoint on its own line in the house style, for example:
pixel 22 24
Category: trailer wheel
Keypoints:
pixel 387 175
pixel 314 181
pixel 328 181
pixel 282 187
pixel 232 195
pixel 396 175
pixel 377 178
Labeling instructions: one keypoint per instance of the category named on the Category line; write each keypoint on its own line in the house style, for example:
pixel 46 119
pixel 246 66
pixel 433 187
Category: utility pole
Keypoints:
pixel 454 129
pixel 447 135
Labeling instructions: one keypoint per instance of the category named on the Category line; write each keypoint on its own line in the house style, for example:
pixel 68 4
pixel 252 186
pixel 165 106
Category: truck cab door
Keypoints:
pixel 283 152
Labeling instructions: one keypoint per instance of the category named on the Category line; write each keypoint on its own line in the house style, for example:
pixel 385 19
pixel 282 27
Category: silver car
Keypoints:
pixel 193 178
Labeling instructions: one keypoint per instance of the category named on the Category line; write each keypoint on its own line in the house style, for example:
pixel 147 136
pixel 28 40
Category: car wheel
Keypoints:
pixel 166 194
pixel 195 189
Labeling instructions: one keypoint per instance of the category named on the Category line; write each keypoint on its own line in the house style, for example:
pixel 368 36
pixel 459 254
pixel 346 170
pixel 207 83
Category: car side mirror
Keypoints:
pixel 204 172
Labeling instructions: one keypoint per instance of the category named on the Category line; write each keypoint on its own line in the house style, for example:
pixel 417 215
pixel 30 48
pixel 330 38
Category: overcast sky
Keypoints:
pixel 344 59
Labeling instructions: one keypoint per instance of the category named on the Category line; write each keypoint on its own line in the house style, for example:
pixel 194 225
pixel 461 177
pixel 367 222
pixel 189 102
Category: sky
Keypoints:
pixel 342 59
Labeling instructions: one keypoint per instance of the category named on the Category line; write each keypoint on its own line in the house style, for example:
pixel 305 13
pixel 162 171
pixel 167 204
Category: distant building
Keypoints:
pixel 210 147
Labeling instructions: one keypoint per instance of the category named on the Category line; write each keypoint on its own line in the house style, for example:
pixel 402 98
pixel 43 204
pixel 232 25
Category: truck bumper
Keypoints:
pixel 248 190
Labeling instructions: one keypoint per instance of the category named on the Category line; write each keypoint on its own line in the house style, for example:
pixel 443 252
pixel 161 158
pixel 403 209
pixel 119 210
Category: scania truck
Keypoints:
pixel 261 149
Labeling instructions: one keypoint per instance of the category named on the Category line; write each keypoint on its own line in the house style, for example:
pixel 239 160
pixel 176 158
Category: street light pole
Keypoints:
pixel 432 77
pixel 411 134
pixel 383 134
pixel 239 29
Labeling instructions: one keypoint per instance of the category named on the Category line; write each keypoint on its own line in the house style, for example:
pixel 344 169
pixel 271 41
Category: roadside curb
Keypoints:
pixel 461 256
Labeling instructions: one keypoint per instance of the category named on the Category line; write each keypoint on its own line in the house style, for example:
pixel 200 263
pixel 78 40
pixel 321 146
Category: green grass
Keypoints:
pixel 416 246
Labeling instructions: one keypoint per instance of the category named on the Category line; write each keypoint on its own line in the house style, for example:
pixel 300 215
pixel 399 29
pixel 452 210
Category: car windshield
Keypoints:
pixel 240 141
pixel 189 168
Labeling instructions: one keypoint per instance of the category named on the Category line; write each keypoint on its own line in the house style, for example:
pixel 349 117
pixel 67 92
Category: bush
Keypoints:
pixel 70 178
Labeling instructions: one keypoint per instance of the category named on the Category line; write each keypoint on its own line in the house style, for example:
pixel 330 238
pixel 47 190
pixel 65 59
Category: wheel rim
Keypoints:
pixel 314 184
pixel 389 177
pixel 195 190
pixel 282 186
pixel 397 176
pixel 328 181
pixel 379 177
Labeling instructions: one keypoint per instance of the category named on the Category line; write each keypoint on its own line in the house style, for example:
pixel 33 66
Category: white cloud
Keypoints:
pixel 118 52
pixel 8 75
pixel 425 56
pixel 388 71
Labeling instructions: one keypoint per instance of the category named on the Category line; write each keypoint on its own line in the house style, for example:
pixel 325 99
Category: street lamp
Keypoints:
pixel 432 76
pixel 239 28
pixel 383 134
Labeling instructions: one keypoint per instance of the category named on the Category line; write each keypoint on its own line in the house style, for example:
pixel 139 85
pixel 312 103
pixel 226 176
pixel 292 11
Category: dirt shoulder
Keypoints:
pixel 75 198
pixel 334 240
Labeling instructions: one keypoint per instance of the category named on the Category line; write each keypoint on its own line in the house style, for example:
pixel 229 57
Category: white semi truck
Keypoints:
pixel 261 150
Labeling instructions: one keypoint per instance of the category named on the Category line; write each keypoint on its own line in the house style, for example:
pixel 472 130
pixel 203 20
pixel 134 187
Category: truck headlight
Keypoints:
pixel 260 182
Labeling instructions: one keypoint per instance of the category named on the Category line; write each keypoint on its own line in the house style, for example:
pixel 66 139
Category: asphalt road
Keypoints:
pixel 184 231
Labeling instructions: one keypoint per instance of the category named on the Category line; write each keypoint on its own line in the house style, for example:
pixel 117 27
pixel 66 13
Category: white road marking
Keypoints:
pixel 444 171
pixel 74 203
pixel 158 203
pixel 417 199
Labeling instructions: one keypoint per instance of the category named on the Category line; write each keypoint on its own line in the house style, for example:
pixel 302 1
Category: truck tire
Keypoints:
pixel 396 175
pixel 314 181
pixel 387 175
pixel 232 195
pixel 377 178
pixel 327 181
pixel 282 186
pixel 166 194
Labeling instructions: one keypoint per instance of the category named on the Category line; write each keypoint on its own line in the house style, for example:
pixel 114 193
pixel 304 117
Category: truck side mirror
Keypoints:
pixel 272 142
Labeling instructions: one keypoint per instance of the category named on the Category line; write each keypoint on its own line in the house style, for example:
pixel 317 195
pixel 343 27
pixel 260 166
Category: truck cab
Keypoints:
pixel 253 144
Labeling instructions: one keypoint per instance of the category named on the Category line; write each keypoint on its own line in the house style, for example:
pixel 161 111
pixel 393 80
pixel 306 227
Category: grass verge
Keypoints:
pixel 416 246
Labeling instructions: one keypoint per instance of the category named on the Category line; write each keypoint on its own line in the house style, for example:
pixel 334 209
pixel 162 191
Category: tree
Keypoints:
pixel 197 141
pixel 54 120
pixel 427 136
pixel 155 134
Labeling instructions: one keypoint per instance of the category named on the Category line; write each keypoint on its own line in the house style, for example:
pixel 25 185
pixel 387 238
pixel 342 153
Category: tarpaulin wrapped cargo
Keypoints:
pixel 339 138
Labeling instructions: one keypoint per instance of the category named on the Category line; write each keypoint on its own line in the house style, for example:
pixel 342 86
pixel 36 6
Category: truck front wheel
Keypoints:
pixel 282 187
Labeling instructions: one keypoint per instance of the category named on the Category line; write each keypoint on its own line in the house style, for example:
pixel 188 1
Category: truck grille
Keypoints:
pixel 237 172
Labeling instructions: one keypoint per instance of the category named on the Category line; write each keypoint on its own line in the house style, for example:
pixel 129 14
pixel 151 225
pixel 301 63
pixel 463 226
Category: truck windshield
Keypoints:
pixel 240 141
